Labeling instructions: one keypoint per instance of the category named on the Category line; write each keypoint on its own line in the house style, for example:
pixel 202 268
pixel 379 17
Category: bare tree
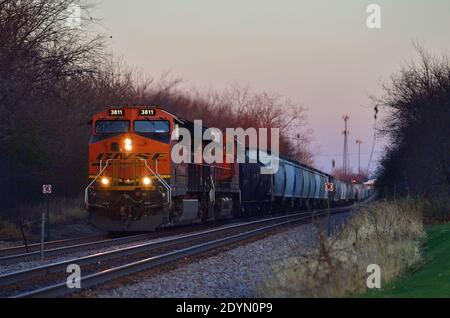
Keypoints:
pixel 417 122
pixel 39 45
pixel 239 106
pixel 54 75
pixel 41 49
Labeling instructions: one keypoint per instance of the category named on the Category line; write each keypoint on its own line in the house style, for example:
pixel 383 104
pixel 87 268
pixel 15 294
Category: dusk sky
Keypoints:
pixel 318 53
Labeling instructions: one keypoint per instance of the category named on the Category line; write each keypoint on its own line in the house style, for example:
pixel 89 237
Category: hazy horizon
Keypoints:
pixel 317 53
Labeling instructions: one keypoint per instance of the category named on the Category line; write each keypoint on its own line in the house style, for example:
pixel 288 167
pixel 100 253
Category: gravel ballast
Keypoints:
pixel 238 272
pixel 65 256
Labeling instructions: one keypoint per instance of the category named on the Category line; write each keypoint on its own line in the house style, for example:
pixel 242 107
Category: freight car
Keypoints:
pixel 136 186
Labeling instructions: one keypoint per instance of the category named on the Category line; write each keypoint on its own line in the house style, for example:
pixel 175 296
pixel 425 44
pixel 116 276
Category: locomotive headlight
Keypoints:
pixel 128 144
pixel 105 181
pixel 146 181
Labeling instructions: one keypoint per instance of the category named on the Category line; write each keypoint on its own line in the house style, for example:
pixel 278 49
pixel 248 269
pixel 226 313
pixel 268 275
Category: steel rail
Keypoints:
pixel 72 248
pixel 61 289
pixel 8 259
pixel 35 246
pixel 18 276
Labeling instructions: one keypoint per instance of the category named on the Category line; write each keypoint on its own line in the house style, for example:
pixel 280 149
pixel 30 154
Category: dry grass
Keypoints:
pixel 388 234
pixel 67 211
pixel 62 211
pixel 9 230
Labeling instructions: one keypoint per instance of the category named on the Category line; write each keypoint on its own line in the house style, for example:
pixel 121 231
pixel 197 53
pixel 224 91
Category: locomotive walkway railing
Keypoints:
pixel 86 191
pixel 161 179
pixel 114 177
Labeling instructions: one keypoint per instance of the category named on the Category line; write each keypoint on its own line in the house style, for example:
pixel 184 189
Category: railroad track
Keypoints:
pixel 17 254
pixel 50 280
pixel 61 247
pixel 33 247
pixel 53 248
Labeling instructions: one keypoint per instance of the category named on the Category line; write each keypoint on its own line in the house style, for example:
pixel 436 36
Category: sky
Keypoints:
pixel 318 53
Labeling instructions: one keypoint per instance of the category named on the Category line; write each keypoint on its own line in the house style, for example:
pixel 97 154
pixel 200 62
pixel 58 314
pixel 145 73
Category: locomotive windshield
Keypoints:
pixel 152 126
pixel 112 126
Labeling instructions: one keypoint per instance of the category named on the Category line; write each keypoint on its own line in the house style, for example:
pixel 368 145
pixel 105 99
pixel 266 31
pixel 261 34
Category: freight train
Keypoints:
pixel 136 186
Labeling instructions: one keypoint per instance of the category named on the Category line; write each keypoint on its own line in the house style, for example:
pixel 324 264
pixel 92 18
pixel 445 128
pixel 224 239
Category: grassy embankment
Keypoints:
pixel 432 278
pixel 389 234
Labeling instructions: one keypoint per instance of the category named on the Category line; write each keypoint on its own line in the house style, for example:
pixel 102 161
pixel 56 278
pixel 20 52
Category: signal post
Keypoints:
pixel 329 187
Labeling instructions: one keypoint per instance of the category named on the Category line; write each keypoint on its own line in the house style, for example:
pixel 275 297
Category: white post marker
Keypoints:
pixel 329 187
pixel 46 190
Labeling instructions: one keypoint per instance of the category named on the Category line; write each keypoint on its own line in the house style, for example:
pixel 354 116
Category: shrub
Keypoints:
pixel 388 234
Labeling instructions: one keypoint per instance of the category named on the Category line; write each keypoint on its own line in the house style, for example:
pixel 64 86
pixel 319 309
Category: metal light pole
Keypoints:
pixel 359 142
pixel 345 164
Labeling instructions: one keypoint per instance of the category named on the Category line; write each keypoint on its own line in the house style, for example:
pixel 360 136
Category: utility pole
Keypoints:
pixel 345 163
pixel 359 142
pixel 374 138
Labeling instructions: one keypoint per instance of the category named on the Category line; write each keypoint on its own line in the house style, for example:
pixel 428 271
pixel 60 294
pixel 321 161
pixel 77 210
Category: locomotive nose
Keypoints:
pixel 128 144
pixel 115 147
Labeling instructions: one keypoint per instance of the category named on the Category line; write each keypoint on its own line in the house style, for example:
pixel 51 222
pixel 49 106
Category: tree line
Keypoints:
pixel 416 103
pixel 54 75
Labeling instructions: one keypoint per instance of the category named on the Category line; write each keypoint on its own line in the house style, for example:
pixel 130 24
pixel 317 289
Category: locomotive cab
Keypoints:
pixel 129 168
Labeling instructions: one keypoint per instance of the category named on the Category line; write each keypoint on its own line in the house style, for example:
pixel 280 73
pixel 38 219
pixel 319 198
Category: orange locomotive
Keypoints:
pixel 134 184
